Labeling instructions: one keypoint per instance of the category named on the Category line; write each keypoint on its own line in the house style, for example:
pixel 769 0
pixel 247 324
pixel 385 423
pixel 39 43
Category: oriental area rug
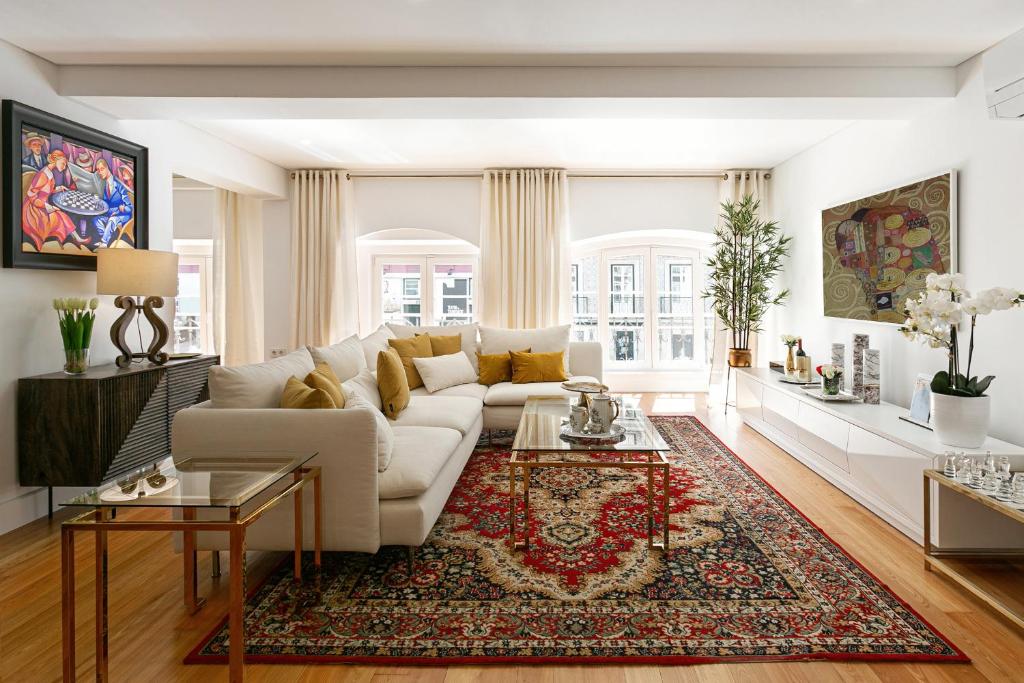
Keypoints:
pixel 747 578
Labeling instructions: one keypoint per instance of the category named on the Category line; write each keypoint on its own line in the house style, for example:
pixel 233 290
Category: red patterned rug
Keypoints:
pixel 748 578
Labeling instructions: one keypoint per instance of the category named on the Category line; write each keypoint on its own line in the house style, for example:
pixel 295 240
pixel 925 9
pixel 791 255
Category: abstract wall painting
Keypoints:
pixel 69 191
pixel 878 251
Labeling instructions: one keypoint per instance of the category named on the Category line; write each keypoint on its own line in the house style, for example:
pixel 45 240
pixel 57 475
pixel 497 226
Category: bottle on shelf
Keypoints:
pixel 800 347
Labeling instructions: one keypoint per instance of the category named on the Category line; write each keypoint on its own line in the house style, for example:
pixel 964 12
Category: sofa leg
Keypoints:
pixel 215 564
pixel 490 437
pixel 410 558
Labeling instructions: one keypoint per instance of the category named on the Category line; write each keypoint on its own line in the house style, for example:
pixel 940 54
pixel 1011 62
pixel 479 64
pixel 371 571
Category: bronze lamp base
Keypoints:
pixel 120 327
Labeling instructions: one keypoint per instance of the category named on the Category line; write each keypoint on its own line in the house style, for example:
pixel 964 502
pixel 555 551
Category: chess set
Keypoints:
pixel 72 200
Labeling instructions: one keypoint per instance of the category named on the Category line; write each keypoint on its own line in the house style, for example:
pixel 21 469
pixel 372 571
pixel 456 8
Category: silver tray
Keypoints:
pixel 794 380
pixel 841 397
pixel 614 435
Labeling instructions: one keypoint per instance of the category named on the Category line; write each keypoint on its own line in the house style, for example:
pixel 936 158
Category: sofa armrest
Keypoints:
pixel 585 358
pixel 346 444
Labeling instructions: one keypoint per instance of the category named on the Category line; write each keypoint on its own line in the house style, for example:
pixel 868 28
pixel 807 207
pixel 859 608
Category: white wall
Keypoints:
pixel 194 212
pixel 599 206
pixel 869 157
pixel 449 205
pixel 28 331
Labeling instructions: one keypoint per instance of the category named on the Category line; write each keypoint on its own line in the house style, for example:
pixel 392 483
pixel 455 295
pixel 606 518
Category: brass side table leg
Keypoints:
pixel 102 672
pixel 512 506
pixel 298 528
pixel 318 534
pixel 650 507
pixel 667 503
pixel 193 603
pixel 927 540
pixel 236 614
pixel 526 506
pixel 67 594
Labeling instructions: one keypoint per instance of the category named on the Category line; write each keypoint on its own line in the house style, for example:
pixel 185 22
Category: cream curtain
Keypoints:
pixel 525 248
pixel 734 187
pixel 238 278
pixel 324 280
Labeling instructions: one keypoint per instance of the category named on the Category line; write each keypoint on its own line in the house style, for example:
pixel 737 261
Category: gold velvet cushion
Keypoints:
pixel 392 383
pixel 537 367
pixel 323 378
pixel 409 348
pixel 443 346
pixel 297 394
pixel 495 367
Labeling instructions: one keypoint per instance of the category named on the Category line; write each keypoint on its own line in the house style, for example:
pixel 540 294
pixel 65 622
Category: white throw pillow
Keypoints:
pixel 539 340
pixel 375 343
pixel 258 385
pixel 365 385
pixel 441 372
pixel 467 332
pixel 385 437
pixel 345 358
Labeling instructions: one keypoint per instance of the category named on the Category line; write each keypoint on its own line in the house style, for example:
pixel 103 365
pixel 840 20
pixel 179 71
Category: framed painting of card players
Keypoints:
pixel 878 251
pixel 69 191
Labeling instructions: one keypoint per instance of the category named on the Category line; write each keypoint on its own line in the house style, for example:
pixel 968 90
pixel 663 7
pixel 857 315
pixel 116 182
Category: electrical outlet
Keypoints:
pixel 277 353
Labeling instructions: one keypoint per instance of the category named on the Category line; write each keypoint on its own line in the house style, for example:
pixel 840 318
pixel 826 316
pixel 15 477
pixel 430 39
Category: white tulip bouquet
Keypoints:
pixel 76 317
pixel 935 318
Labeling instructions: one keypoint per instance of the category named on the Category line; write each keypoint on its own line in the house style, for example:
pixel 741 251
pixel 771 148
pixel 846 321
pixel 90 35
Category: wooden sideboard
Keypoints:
pixel 83 430
pixel 877 459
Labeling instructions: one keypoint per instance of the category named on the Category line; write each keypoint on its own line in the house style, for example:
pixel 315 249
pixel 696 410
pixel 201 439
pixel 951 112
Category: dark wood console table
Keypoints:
pixel 83 430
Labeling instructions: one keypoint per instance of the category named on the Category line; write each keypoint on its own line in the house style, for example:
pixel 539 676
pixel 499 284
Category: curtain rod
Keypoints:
pixel 723 175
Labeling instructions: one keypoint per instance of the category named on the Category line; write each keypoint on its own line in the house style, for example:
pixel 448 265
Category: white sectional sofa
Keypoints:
pixel 363 509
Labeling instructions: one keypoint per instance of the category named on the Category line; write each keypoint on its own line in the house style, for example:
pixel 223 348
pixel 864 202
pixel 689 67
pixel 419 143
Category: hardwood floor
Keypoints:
pixel 150 631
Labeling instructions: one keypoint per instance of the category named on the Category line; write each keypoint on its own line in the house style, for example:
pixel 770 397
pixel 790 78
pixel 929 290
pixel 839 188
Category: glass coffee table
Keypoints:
pixel 197 483
pixel 538 444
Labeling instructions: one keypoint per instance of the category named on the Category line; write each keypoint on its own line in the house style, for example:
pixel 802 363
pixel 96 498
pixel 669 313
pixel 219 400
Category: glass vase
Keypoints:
pixel 76 361
pixel 790 362
pixel 831 387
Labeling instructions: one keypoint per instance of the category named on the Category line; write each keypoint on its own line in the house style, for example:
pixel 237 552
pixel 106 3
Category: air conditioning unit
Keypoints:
pixel 1003 66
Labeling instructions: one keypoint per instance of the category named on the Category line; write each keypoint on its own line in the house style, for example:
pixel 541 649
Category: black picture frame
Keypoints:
pixel 15 116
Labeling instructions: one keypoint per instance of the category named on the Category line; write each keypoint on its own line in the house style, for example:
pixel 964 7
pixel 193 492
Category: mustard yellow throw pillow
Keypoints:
pixel 323 378
pixel 444 346
pixel 537 367
pixel 392 383
pixel 409 348
pixel 495 367
pixel 297 394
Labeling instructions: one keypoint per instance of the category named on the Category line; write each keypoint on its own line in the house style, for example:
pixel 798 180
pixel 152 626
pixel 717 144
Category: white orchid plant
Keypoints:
pixel 935 317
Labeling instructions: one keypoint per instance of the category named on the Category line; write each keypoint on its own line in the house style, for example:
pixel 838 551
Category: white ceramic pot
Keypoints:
pixel 960 421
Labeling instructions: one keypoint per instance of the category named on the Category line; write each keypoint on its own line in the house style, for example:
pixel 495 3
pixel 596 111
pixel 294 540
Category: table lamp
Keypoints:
pixel 140 278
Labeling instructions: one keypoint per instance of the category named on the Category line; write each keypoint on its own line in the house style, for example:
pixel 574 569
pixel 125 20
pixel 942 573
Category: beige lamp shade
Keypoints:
pixel 136 272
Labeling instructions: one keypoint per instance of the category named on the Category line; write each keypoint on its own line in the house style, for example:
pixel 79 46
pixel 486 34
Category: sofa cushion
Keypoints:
pixel 468 333
pixel 258 385
pixel 298 395
pixel 413 347
pixel 364 384
pixel 417 458
pixel 454 412
pixel 528 368
pixel 374 343
pixel 346 357
pixel 323 378
pixel 441 372
pixel 444 345
pixel 509 394
pixel 474 390
pixel 538 340
pixel 385 436
pixel 392 383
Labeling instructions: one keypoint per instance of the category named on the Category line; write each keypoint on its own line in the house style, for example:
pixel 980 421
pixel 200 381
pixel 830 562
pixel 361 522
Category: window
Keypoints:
pixel 643 304
pixel 431 290
pixel 192 307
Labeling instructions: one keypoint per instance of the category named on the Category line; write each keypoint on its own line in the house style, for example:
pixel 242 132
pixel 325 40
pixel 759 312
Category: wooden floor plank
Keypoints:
pixel 151 632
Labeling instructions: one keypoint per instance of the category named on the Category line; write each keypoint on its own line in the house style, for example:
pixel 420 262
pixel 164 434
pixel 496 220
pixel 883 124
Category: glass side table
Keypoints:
pixel 206 482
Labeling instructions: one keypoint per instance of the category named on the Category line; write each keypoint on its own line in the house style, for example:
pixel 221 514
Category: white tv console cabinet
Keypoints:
pixel 877 459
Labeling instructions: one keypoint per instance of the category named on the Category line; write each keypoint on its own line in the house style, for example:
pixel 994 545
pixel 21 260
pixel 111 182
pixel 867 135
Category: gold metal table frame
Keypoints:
pixel 99 522
pixel 525 461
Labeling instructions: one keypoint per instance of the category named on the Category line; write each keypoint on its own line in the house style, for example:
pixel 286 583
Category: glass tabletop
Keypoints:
pixel 201 482
pixel 541 426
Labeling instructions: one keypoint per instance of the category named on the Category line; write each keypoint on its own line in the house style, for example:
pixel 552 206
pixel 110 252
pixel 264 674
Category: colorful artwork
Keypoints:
pixel 72 192
pixel 877 251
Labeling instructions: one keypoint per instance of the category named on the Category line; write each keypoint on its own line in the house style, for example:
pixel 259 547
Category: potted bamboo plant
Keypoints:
pixel 748 256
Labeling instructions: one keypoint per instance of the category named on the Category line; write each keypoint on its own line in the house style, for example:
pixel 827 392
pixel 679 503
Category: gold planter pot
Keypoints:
pixel 740 358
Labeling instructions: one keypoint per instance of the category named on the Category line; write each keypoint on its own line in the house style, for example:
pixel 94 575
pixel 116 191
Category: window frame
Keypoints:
pixel 199 253
pixel 426 263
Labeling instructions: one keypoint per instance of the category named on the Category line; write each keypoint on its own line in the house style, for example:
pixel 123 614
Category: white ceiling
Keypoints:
pixel 439 32
pixel 692 144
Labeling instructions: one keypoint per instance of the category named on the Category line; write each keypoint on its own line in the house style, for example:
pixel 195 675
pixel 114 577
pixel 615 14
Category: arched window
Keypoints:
pixel 639 295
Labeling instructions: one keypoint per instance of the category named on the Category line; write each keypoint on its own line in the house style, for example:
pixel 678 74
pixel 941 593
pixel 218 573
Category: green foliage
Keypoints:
pixel 960 385
pixel 749 253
